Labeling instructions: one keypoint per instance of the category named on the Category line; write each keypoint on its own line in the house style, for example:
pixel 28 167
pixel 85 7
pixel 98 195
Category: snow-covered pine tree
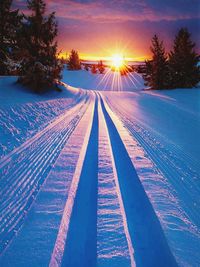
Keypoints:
pixel 41 67
pixel 184 72
pixel 74 62
pixel 10 21
pixel 156 75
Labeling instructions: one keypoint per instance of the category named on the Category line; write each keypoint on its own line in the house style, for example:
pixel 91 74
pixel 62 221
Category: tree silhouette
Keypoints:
pixel 86 67
pixel 41 67
pixel 10 21
pixel 101 67
pixel 74 61
pixel 156 75
pixel 183 60
pixel 94 69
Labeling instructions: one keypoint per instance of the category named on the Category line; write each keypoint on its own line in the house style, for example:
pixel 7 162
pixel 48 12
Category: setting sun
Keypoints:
pixel 117 61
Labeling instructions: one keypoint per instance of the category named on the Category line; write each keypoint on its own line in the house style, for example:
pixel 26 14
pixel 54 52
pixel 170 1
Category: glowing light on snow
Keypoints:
pixel 119 75
pixel 117 61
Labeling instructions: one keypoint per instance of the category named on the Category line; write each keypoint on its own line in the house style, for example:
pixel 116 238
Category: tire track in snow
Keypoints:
pixel 142 221
pixel 23 170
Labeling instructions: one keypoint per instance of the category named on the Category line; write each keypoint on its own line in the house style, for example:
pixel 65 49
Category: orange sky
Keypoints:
pixel 101 28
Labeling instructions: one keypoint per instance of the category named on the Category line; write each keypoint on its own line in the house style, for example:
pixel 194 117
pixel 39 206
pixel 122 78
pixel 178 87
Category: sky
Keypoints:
pixel 102 28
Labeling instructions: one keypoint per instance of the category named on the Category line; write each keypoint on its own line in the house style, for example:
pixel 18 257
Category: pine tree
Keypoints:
pixel 10 21
pixel 41 67
pixel 101 67
pixel 74 62
pixel 86 67
pixel 156 75
pixel 94 69
pixel 184 72
pixel 147 72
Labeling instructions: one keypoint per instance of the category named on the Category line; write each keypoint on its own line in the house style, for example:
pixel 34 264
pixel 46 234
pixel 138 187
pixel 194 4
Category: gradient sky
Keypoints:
pixel 101 28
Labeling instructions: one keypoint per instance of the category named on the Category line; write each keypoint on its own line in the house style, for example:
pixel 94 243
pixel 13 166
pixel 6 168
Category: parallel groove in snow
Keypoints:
pixel 143 223
pixel 175 221
pixel 43 219
pixel 104 129
pixel 23 121
pixel 178 169
pixel 23 175
pixel 58 251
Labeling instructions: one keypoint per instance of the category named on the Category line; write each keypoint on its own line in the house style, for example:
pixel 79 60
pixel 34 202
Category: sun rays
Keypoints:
pixel 117 79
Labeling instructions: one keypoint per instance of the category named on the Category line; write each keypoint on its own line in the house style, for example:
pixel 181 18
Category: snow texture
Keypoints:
pixel 99 178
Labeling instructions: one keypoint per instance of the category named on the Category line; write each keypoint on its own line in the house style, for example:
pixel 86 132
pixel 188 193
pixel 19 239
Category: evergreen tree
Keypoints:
pixel 156 75
pixel 94 69
pixel 101 67
pixel 10 21
pixel 184 72
pixel 86 67
pixel 74 62
pixel 147 72
pixel 41 67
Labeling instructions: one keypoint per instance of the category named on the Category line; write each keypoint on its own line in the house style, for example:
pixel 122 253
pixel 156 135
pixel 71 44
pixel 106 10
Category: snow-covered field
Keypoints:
pixel 99 178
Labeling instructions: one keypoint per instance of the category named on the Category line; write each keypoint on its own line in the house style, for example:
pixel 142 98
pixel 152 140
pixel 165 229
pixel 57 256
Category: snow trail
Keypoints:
pixel 73 218
pixel 83 223
pixel 41 225
pixel 177 226
pixel 178 166
pixel 143 223
pixel 23 171
pixel 114 243
pixel 117 200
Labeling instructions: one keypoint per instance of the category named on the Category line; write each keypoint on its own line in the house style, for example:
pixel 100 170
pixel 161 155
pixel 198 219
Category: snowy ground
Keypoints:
pixel 99 178
pixel 110 80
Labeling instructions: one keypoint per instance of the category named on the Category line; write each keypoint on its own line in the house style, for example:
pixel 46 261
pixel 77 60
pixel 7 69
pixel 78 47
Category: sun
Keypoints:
pixel 117 61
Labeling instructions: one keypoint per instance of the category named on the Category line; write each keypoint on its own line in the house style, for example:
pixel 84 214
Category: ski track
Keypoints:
pixel 163 185
pixel 114 246
pixel 23 170
pixel 21 121
pixel 185 180
pixel 84 213
pixel 142 221
pixel 41 226
pixel 108 214
pixel 60 250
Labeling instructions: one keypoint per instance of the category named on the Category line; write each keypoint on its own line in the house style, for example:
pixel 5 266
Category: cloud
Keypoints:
pixel 125 10
pixel 103 11
pixel 95 26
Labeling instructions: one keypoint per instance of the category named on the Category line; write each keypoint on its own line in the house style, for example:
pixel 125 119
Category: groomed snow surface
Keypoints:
pixel 97 177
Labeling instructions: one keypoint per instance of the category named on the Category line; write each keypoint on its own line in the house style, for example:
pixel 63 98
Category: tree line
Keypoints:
pixel 178 69
pixel 74 63
pixel 28 49
pixel 27 45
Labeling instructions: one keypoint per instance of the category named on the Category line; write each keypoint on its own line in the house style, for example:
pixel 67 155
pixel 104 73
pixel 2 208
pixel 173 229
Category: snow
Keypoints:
pixel 164 185
pixel 92 176
pixel 24 113
pixel 108 81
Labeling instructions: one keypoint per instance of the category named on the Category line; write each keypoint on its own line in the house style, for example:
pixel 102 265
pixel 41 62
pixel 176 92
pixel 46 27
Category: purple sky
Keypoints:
pixel 102 28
